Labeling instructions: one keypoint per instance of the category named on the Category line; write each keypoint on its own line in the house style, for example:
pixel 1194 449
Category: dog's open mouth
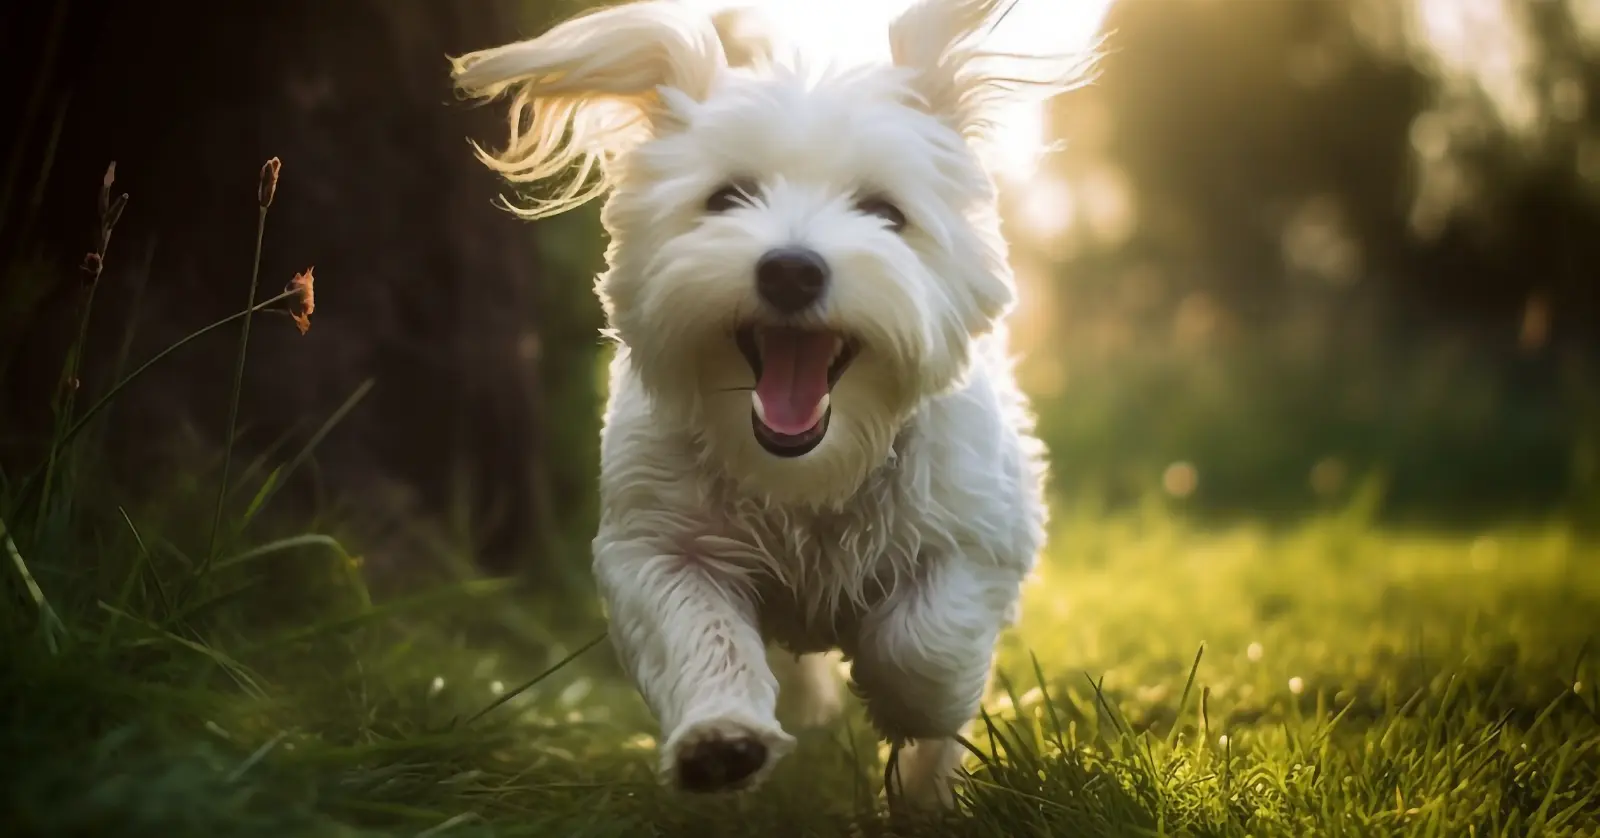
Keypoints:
pixel 795 372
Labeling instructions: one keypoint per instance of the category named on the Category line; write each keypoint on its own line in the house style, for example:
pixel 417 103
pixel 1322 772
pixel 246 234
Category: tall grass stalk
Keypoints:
pixel 140 280
pixel 116 389
pixel 269 187
pixel 65 398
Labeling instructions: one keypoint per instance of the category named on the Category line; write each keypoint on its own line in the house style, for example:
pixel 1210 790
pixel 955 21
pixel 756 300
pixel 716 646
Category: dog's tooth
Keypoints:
pixel 838 349
pixel 822 407
pixel 755 401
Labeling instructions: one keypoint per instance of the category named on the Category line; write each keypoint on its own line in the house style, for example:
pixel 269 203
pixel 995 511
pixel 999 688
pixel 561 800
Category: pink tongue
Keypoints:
pixel 794 377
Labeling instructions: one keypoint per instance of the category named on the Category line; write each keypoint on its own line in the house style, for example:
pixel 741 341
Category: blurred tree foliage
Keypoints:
pixel 1302 240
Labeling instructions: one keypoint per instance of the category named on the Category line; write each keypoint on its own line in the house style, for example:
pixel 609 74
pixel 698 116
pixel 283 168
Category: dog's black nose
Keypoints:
pixel 791 279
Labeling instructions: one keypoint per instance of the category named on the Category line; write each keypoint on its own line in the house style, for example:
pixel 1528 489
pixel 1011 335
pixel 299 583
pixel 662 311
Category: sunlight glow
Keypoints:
pixel 1485 42
pixel 1495 76
pixel 1180 479
pixel 1108 205
pixel 853 31
pixel 1048 207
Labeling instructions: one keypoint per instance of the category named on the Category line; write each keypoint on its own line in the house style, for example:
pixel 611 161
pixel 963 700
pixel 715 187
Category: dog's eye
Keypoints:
pixel 737 193
pixel 884 209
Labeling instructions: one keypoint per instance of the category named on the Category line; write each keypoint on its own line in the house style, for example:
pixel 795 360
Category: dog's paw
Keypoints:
pixel 711 765
pixel 722 755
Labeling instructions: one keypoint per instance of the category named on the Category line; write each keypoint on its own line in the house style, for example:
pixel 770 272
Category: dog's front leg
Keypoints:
pixel 688 637
pixel 922 664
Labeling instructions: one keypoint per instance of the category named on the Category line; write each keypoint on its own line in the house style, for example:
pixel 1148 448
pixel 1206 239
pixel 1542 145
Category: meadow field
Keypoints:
pixel 1326 678
pixel 1309 317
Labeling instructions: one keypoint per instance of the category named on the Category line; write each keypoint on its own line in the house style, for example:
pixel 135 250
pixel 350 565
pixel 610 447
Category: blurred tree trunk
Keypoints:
pixel 481 346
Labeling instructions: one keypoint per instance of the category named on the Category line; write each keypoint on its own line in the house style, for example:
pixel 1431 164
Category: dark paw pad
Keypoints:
pixel 712 765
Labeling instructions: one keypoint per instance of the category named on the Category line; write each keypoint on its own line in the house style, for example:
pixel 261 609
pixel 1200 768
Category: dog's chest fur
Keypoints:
pixel 815 574
pixel 962 482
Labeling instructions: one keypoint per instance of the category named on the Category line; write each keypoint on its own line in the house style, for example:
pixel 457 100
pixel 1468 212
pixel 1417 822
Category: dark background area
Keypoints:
pixel 479 330
pixel 1306 250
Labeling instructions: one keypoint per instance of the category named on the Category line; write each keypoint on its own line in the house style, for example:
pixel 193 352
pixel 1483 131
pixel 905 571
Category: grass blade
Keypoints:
pixel 535 680
pixel 49 622
pixel 279 476
pixel 471 589
pixel 238 388
pixel 1183 700
pixel 116 389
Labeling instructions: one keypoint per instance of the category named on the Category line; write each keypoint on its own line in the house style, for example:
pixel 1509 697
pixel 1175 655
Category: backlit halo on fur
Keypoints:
pixel 641 103
pixel 813 436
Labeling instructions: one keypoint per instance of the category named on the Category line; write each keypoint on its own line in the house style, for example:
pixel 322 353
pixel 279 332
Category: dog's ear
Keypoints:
pixel 963 77
pixel 746 35
pixel 590 89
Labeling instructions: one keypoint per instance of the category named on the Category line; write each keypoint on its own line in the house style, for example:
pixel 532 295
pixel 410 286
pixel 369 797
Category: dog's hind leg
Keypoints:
pixel 689 640
pixel 923 774
pixel 812 688
pixel 922 665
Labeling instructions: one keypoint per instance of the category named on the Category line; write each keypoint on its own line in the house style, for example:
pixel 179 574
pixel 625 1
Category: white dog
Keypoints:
pixel 813 437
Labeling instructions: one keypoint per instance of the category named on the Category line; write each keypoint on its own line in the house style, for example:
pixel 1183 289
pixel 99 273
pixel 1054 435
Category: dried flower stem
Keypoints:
pixel 93 265
pixel 66 395
pixel 268 187
pixel 264 202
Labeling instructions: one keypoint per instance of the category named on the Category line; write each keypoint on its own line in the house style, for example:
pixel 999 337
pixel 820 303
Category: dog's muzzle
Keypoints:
pixel 795 370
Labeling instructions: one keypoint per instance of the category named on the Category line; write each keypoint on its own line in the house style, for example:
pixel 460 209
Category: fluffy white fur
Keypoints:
pixel 903 538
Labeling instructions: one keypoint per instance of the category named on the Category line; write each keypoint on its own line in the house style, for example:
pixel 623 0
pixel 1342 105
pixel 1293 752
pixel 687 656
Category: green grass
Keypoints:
pixel 1352 682
pixel 164 675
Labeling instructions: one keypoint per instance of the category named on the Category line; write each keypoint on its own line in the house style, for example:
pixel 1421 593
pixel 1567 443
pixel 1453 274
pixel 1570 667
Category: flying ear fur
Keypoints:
pixel 970 84
pixel 588 90
pixel 746 35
